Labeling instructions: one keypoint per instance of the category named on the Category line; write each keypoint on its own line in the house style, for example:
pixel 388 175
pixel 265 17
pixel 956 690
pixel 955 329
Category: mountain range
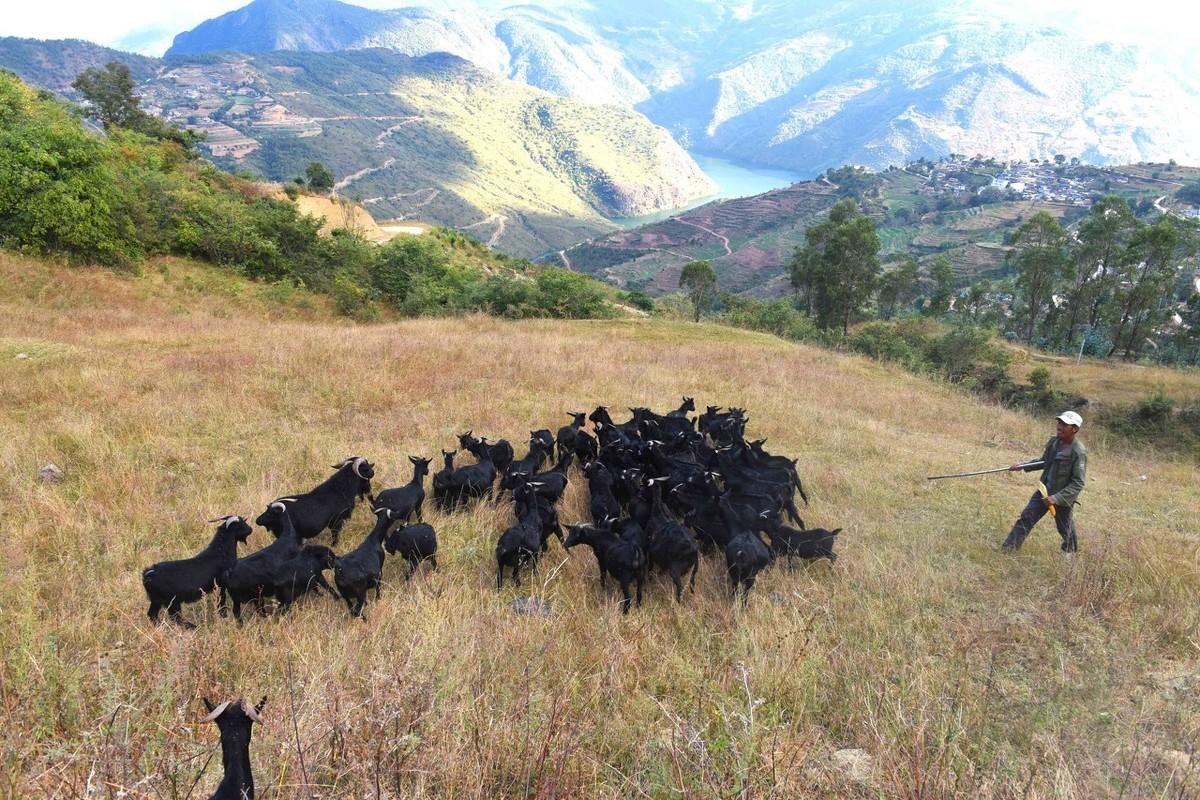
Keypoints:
pixel 798 85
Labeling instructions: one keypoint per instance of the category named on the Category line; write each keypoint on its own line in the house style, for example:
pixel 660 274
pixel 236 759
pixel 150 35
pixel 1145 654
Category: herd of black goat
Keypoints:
pixel 663 488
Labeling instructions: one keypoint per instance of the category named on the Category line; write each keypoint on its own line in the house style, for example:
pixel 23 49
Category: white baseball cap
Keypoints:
pixel 1071 418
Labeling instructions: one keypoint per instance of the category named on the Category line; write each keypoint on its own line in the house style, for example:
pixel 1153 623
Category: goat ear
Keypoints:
pixel 216 711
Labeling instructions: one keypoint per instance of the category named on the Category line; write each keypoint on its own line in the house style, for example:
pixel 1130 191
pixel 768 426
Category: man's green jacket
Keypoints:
pixel 1064 479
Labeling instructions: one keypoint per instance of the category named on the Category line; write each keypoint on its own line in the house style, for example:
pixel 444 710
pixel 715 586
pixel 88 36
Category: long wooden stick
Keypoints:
pixel 983 471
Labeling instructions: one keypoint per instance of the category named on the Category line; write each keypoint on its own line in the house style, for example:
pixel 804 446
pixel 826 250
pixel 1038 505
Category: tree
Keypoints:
pixel 898 287
pixel 109 94
pixel 699 280
pixel 110 99
pixel 1041 258
pixel 943 286
pixel 320 179
pixel 1146 283
pixel 1103 240
pixel 837 267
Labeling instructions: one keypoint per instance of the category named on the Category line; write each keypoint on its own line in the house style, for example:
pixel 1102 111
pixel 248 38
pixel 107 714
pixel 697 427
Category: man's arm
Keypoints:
pixel 1070 493
pixel 1034 466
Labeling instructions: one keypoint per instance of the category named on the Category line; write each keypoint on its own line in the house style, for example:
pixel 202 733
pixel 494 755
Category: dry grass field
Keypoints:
pixel 180 396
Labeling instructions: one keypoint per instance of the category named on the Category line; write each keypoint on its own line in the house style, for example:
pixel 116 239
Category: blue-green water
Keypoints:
pixel 733 180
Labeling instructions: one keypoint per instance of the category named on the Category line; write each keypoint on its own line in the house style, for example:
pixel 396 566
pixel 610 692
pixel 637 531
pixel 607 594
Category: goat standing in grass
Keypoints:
pixel 303 574
pixel 518 546
pixel 567 434
pixel 406 500
pixel 745 554
pixel 672 548
pixel 361 570
pixel 331 503
pixel 810 545
pixel 414 543
pixel 170 584
pixel 255 576
pixel 619 556
pixel 235 720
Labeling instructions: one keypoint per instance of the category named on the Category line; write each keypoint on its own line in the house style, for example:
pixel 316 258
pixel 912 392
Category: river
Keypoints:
pixel 733 180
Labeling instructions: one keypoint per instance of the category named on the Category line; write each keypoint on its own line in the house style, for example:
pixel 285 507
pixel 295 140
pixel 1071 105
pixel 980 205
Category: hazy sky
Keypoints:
pixel 149 25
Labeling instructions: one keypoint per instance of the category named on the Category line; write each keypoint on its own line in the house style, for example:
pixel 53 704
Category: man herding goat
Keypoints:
pixel 1064 472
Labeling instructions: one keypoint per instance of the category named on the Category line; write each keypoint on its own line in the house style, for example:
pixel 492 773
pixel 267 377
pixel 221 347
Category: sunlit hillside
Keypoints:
pixel 923 664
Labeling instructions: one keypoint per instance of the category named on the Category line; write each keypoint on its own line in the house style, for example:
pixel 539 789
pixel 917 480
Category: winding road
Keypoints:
pixel 710 231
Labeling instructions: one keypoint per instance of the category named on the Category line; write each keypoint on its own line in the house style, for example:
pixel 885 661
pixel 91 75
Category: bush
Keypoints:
pixel 403 263
pixel 569 295
pixel 885 342
pixel 352 299
pixel 779 317
pixel 639 299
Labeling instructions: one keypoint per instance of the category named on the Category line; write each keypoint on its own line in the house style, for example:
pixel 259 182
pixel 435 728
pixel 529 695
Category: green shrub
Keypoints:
pixel 569 295
pixel 405 261
pixel 352 299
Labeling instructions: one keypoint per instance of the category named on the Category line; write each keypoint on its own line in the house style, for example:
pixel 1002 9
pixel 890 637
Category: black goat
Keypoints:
pixel 256 576
pixel 518 546
pixel 671 547
pixel 529 465
pixel 553 482
pixel 414 543
pixel 407 499
pixel 586 447
pixel 602 502
pixel 811 544
pixel 619 556
pixel 331 503
pixel 170 584
pixel 500 453
pixel 543 437
pixel 361 570
pixel 473 480
pixel 303 574
pixel 442 484
pixel 567 434
pixel 235 720
pixel 745 554
pixel 525 497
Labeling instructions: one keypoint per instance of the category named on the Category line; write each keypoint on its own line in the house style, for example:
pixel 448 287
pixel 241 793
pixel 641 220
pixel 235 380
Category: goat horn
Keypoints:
pixel 250 710
pixel 218 519
pixel 216 712
pixel 282 507
pixel 358 462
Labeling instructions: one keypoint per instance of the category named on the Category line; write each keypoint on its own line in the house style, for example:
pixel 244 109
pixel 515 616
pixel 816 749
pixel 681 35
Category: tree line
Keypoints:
pixel 1111 285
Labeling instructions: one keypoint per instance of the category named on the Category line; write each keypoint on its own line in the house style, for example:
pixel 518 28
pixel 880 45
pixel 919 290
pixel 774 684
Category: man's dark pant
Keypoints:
pixel 1035 510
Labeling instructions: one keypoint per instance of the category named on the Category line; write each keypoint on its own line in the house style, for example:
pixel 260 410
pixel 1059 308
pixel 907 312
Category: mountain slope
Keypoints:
pixel 800 86
pixel 960 208
pixel 54 64
pixel 434 138
pixel 542 47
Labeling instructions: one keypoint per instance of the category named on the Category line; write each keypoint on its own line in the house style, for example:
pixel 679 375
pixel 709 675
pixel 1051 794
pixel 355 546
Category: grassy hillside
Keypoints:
pixel 960 672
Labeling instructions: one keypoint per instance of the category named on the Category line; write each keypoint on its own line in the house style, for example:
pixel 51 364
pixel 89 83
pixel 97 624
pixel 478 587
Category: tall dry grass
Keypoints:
pixel 961 672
